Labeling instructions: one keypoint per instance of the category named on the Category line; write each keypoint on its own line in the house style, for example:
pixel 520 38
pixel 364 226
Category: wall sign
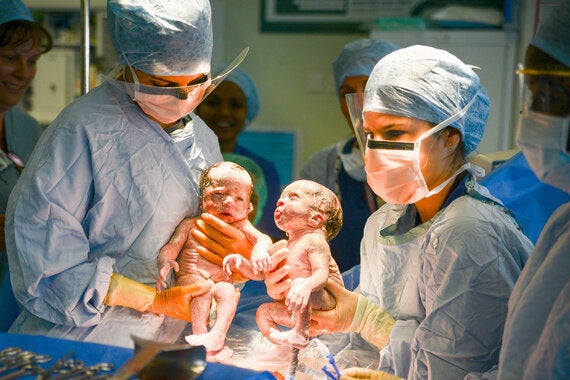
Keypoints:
pixel 329 15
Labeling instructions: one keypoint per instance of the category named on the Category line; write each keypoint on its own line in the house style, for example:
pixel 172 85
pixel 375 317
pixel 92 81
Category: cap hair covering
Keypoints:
pixel 359 58
pixel 553 36
pixel 245 83
pixel 429 84
pixel 11 10
pixel 162 37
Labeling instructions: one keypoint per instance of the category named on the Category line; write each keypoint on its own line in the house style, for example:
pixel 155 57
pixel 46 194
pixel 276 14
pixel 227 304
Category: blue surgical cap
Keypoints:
pixel 429 84
pixel 553 36
pixel 11 10
pixel 245 83
pixel 359 58
pixel 162 37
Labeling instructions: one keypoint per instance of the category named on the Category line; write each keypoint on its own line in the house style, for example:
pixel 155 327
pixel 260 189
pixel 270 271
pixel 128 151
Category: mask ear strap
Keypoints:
pixel 449 120
pixel 136 82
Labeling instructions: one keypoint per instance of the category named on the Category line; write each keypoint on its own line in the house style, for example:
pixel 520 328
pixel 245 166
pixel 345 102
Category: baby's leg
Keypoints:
pixel 271 314
pixel 225 295
pixel 298 336
pixel 199 312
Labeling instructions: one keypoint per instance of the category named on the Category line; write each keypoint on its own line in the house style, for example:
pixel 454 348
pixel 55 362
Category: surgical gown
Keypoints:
pixel 102 193
pixel 446 282
pixel 536 342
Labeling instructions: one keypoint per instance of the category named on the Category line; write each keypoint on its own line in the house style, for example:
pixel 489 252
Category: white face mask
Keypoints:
pixel 394 168
pixel 353 164
pixel 543 139
pixel 166 104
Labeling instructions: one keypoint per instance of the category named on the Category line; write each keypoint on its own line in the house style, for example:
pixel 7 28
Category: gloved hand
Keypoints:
pixel 365 373
pixel 217 239
pixel 353 313
pixel 277 279
pixel 174 302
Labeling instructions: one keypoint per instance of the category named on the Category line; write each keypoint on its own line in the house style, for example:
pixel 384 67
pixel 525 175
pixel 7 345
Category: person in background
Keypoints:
pixel 442 255
pixel 109 181
pixel 340 166
pixel 22 42
pixel 537 330
pixel 228 110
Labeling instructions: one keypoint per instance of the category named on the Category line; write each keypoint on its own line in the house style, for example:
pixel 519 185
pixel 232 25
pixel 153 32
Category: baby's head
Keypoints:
pixel 315 197
pixel 225 190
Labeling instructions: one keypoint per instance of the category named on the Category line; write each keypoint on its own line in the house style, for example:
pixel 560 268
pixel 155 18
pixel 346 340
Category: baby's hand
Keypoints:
pixel 232 261
pixel 164 268
pixel 260 260
pixel 299 295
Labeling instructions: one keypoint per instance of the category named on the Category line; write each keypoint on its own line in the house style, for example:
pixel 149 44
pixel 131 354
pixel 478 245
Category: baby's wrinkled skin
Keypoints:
pixel 226 189
pixel 303 212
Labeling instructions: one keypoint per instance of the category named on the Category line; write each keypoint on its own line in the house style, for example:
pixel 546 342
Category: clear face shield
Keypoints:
pixel 545 91
pixel 184 92
pixel 355 105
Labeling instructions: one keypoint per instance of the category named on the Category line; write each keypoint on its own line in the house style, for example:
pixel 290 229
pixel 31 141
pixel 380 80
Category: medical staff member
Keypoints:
pixel 228 110
pixel 439 260
pixel 22 42
pixel 112 177
pixel 537 330
pixel 340 167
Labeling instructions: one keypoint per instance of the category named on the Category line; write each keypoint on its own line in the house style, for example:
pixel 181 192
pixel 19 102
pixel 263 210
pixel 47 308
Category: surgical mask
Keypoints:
pixel 393 168
pixel 353 163
pixel 166 104
pixel 543 139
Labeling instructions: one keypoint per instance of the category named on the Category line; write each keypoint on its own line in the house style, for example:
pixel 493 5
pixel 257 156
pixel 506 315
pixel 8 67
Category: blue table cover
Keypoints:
pixel 92 353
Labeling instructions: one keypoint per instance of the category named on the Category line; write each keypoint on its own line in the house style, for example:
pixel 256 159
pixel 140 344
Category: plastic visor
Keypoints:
pixel 355 104
pixel 183 92
pixel 545 91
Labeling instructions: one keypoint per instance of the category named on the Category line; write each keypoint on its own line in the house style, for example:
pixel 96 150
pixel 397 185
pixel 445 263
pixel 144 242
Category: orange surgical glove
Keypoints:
pixel 353 313
pixel 174 302
pixel 217 239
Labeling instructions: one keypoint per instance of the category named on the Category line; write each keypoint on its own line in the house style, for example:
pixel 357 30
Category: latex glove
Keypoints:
pixel 353 313
pixel 217 239
pixel 277 279
pixel 174 302
pixel 365 373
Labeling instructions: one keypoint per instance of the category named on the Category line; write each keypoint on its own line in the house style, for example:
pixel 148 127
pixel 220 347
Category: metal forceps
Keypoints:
pixel 76 369
pixel 18 363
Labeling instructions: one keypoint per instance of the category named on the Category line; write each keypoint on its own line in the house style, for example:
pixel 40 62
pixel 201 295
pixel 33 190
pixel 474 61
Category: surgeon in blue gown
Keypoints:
pixel 536 341
pixel 110 180
pixel 22 42
pixel 440 259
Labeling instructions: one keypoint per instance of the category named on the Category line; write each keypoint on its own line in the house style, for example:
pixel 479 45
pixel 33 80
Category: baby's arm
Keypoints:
pixel 236 262
pixel 260 258
pixel 169 252
pixel 318 254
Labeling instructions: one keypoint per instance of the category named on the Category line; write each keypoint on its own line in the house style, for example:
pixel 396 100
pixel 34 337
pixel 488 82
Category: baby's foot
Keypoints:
pixel 289 338
pixel 212 342
pixel 219 356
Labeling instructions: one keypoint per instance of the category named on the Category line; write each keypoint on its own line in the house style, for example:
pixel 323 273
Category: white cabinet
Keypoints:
pixel 494 52
pixel 54 85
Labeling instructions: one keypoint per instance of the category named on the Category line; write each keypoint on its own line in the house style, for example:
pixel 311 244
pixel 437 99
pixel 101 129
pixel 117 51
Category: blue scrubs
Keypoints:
pixel 22 132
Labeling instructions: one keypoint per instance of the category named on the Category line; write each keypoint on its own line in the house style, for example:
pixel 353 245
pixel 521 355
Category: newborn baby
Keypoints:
pixel 310 214
pixel 225 190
